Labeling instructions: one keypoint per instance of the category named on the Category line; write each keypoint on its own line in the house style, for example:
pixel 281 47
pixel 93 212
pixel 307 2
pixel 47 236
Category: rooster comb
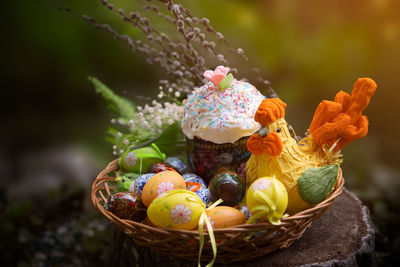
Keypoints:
pixel 269 111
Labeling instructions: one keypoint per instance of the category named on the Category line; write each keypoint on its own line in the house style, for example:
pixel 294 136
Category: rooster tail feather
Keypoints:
pixel 341 121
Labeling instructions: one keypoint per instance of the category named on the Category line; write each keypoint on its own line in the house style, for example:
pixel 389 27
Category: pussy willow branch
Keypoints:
pixel 183 60
pixel 176 66
pixel 178 10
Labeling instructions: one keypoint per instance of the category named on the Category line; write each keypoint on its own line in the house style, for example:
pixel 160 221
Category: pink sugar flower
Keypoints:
pixel 217 75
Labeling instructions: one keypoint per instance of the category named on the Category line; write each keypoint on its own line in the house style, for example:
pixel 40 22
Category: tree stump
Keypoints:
pixel 343 236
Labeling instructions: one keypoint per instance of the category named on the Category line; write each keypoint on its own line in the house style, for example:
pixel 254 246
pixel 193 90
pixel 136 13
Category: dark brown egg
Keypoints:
pixel 229 186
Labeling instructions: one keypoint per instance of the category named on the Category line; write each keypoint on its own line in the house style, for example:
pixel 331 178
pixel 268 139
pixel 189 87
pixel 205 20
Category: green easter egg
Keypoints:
pixel 140 159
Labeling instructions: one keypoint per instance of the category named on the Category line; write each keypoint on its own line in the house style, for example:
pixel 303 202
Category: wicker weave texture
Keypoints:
pixel 233 244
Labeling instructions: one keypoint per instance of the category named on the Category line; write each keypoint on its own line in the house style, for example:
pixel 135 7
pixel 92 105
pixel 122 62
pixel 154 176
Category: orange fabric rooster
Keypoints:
pixel 276 153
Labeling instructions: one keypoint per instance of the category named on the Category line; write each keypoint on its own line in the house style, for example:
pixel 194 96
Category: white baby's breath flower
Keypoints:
pixel 150 120
pixel 157 121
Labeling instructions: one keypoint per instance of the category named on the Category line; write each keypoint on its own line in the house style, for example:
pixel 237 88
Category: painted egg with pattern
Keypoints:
pixel 160 167
pixel 126 205
pixel 229 186
pixel 178 209
pixel 202 192
pixel 140 159
pixel 191 177
pixel 177 164
pixel 161 183
pixel 224 217
pixel 245 210
pixel 138 185
pixel 267 199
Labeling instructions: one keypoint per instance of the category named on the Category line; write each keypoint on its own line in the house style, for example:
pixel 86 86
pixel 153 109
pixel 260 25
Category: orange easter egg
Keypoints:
pixel 161 183
pixel 224 217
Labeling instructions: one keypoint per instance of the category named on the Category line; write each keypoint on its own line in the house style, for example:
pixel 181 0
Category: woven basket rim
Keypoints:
pixel 126 224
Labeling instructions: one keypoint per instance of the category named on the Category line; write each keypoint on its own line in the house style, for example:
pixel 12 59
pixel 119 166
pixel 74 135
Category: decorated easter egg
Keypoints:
pixel 179 209
pixel 224 217
pixel 245 210
pixel 160 167
pixel 229 186
pixel 267 199
pixel 177 164
pixel 161 183
pixel 126 205
pixel 202 192
pixel 138 185
pixel 140 159
pixel 191 177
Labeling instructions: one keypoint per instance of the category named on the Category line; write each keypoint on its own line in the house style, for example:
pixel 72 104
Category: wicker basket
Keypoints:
pixel 232 243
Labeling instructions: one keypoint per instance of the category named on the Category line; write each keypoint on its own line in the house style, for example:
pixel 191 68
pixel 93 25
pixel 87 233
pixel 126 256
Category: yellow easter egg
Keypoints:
pixel 267 199
pixel 178 209
pixel 296 203
pixel 161 183
pixel 224 217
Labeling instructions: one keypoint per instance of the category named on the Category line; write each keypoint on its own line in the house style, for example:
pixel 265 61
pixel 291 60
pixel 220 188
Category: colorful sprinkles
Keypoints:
pixel 221 116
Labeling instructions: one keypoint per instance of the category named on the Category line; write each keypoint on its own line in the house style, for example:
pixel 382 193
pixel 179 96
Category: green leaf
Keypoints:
pixel 316 183
pixel 149 152
pixel 123 106
pixel 226 82
pixel 171 141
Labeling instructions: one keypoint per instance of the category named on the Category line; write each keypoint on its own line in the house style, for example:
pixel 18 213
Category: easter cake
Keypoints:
pixel 218 118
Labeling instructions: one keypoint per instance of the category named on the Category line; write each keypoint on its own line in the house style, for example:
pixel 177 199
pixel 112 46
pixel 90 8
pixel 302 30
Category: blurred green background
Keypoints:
pixel 54 125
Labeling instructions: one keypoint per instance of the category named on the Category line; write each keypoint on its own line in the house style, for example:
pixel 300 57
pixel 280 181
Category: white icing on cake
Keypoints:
pixel 222 116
